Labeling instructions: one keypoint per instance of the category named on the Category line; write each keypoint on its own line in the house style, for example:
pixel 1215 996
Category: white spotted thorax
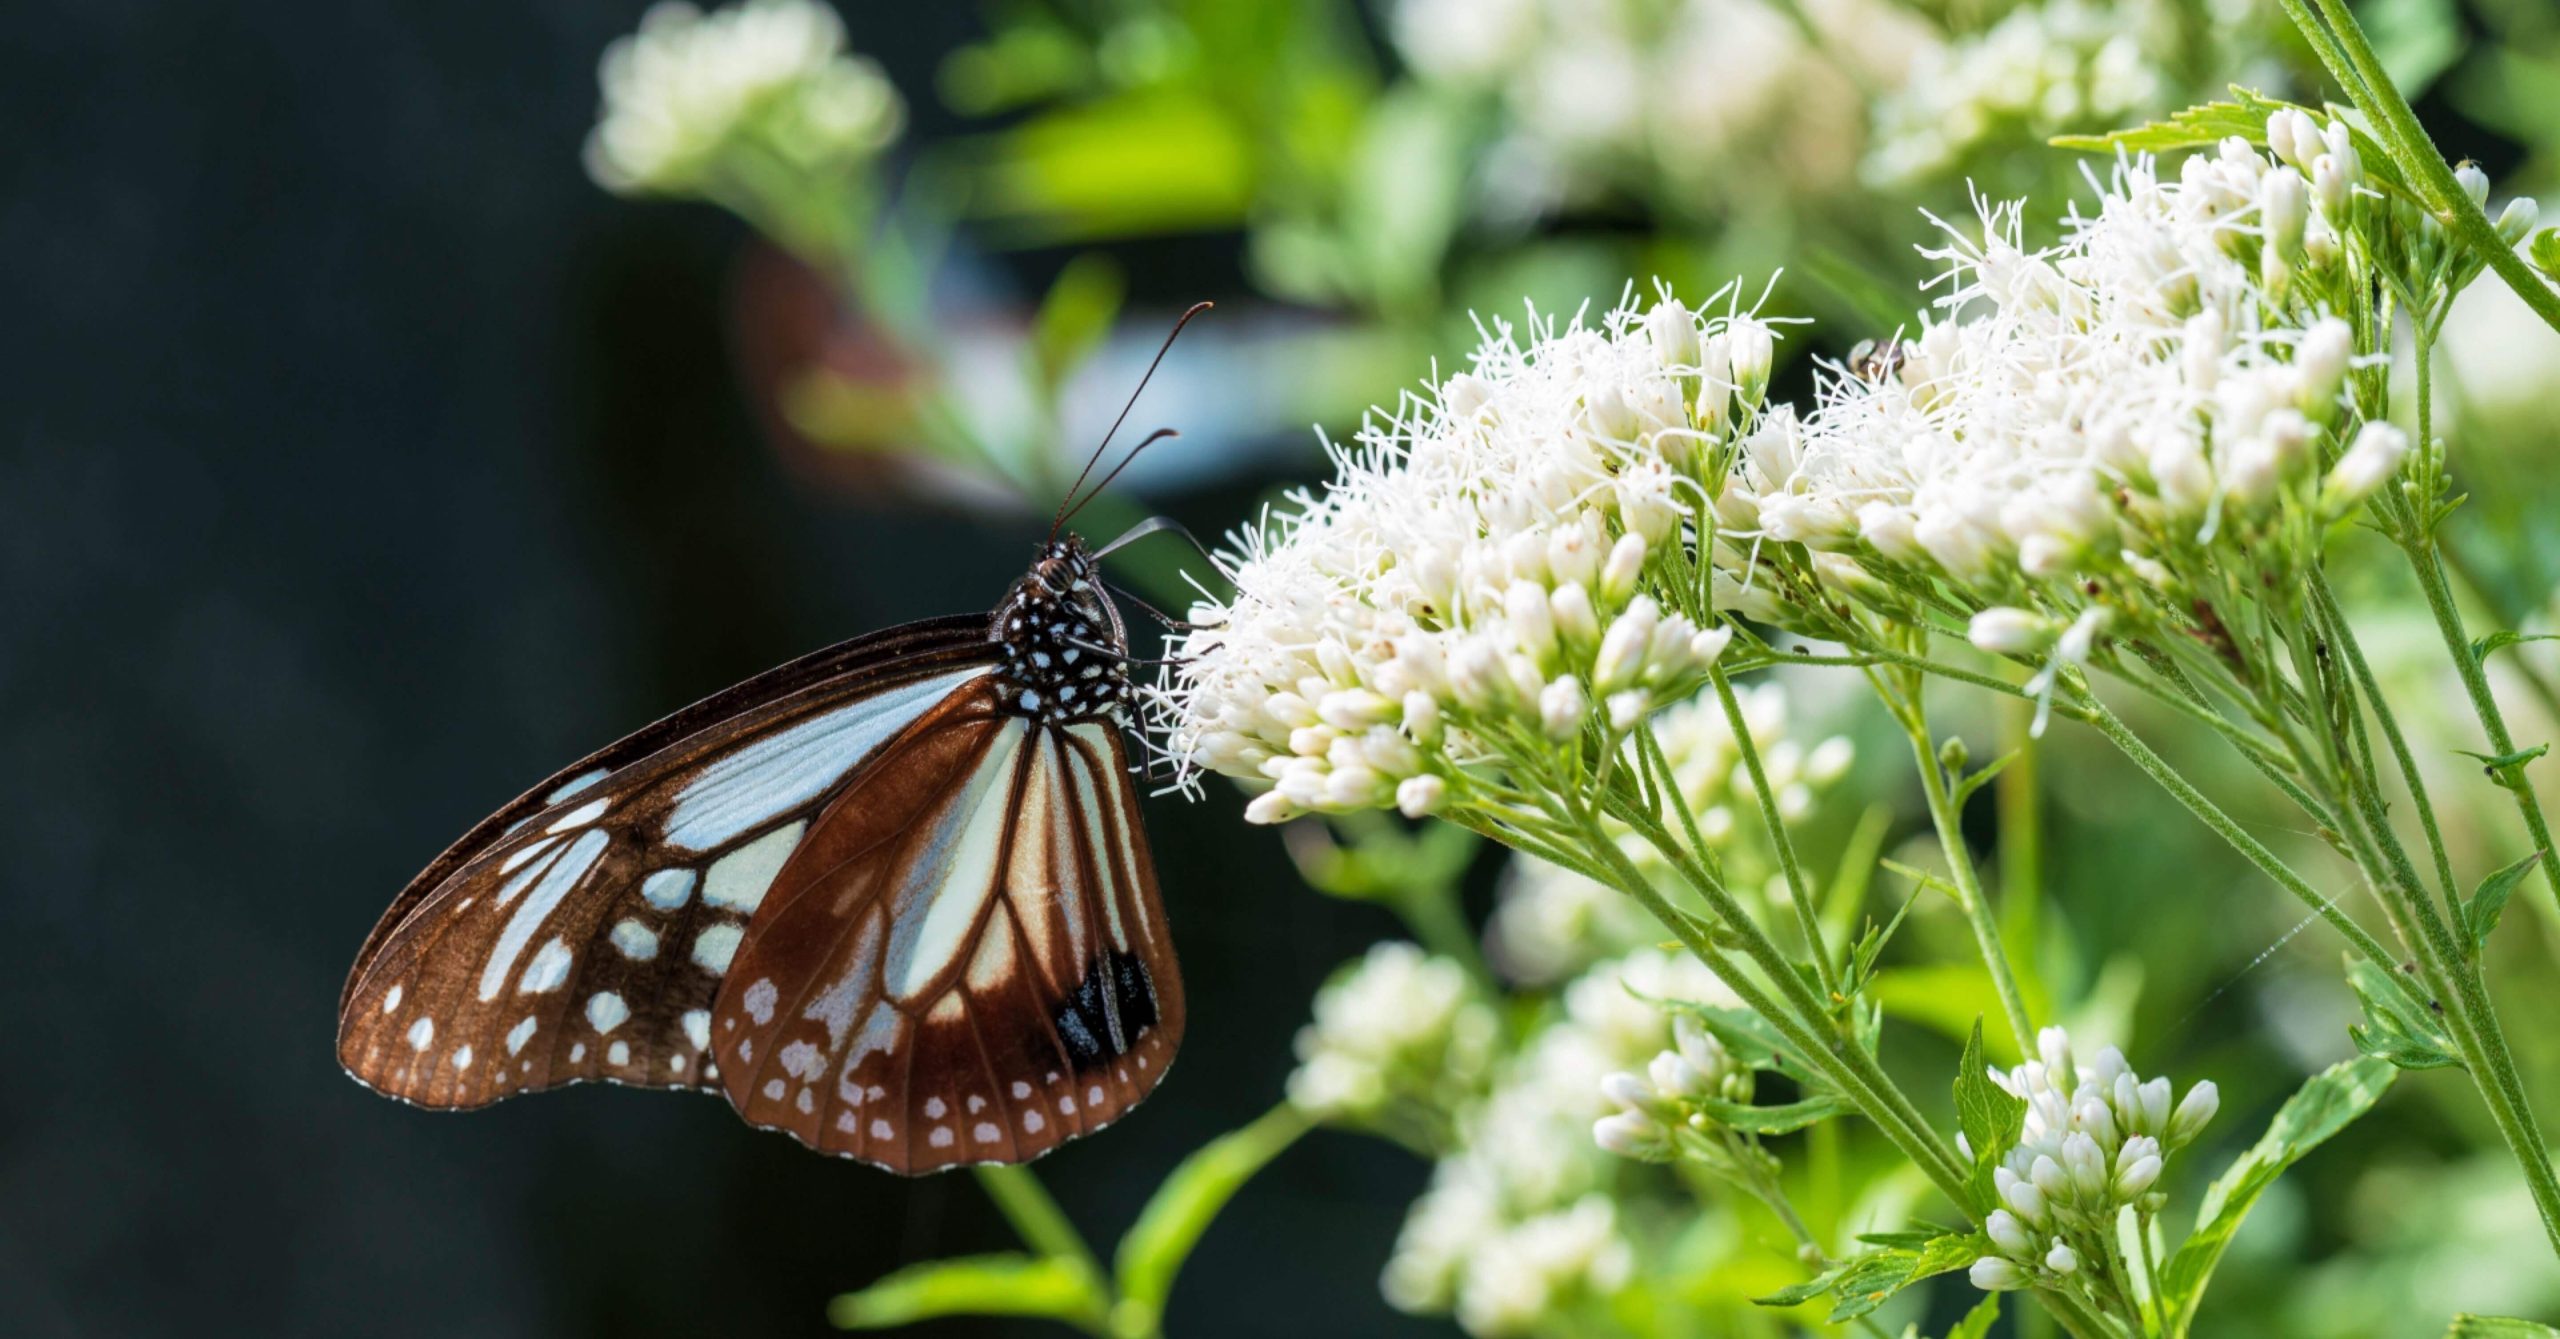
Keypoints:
pixel 1065 652
pixel 1480 574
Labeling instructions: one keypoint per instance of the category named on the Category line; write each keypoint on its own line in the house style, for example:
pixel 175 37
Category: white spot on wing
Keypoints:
pixel 549 968
pixel 391 1002
pixel 462 1057
pixel 573 785
pixel 563 875
pixel 521 1033
pixel 941 1137
pixel 713 948
pixel 577 1052
pixel 606 1011
pixel 801 1060
pixel 525 853
pixel 793 766
pixel 759 1000
pixel 740 878
pixel 879 1129
pixel 986 1132
pixel 638 942
pixel 618 1054
pixel 667 889
pixel 1032 1123
pixel 697 1028
pixel 580 816
pixel 421 1032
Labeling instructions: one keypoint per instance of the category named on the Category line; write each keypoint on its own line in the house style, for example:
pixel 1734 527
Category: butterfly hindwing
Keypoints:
pixel 583 931
pixel 965 959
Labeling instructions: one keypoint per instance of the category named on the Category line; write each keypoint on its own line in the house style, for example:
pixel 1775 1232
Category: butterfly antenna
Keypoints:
pixel 1064 510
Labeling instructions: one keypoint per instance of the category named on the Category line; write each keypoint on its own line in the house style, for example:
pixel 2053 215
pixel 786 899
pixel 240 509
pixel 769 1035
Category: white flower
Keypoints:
pixel 682 88
pixel 1398 1023
pixel 2095 1140
pixel 1473 572
pixel 2368 464
pixel 1519 1278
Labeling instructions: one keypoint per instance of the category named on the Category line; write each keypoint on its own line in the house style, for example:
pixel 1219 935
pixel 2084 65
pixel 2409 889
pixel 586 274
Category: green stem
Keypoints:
pixel 1038 1220
pixel 1968 882
pixel 1799 893
pixel 2249 847
pixel 2419 158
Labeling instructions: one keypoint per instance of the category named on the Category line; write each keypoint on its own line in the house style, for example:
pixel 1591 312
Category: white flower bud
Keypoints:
pixel 2019 1193
pixel 1673 1076
pixel 2474 182
pixel 1577 624
pixel 1573 552
pixel 1622 652
pixel 1464 394
pixel 2007 1233
pixel 1289 709
pixel 1889 529
pixel 2087 1165
pixel 1631 1134
pixel 2193 1112
pixel 1533 631
pixel 1632 1092
pixel 2370 462
pixel 2321 359
pixel 1354 709
pixel 2294 137
pixel 1706 648
pixel 2285 202
pixel 2205 343
pixel 2517 219
pixel 2062 1259
pixel 1753 349
pixel 2133 1180
pixel 1421 796
pixel 1612 419
pixel 1560 708
pixel 2004 631
pixel 1993 1274
pixel 2334 178
pixel 1269 807
pixel 1627 709
pixel 1618 575
pixel 2179 472
pixel 1422 717
pixel 1674 333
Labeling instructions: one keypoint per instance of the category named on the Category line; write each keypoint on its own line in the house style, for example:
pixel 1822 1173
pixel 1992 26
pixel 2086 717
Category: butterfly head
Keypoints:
pixel 1065 656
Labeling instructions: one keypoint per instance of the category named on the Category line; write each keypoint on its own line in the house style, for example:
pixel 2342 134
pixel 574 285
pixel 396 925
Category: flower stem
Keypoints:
pixel 1043 1226
pixel 1799 894
pixel 1968 882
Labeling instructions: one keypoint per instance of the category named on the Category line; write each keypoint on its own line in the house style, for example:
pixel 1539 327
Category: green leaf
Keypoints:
pixel 2488 901
pixel 1977 1322
pixel 1865 1282
pixel 2468 1326
pixel 1181 1209
pixel 1982 776
pixel 1751 1038
pixel 1076 316
pixel 1988 1115
pixel 2503 638
pixel 2211 123
pixel 2324 1105
pixel 1785 1119
pixel 2394 1028
pixel 2507 769
pixel 1009 1284
pixel 2545 251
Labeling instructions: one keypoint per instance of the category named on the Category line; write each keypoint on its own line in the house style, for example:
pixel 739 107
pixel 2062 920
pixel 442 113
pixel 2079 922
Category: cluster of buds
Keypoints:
pixel 1398 1027
pixel 690 87
pixel 1665 1096
pixel 2094 1144
pixel 1479 577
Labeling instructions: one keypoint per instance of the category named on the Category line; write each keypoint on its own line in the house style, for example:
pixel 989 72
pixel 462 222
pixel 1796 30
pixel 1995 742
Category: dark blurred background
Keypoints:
pixel 367 462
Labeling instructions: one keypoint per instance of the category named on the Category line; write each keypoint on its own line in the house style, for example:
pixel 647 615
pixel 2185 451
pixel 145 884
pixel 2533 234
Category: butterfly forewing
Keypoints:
pixel 582 932
pixel 965 960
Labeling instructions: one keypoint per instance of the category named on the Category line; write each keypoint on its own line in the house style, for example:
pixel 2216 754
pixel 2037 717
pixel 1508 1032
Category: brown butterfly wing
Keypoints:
pixel 582 931
pixel 966 960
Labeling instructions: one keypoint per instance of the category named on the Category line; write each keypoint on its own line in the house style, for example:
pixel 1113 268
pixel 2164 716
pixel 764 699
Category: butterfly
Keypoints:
pixel 893 898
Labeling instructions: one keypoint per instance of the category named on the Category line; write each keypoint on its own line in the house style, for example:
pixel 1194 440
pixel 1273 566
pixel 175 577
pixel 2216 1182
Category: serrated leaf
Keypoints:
pixel 1753 1040
pixel 2502 639
pixel 2324 1105
pixel 1784 1119
pixel 2468 1326
pixel 1181 1209
pixel 1801 1293
pixel 2489 900
pixel 1988 1115
pixel 1009 1284
pixel 2506 768
pixel 1864 1282
pixel 2208 124
pixel 2393 1028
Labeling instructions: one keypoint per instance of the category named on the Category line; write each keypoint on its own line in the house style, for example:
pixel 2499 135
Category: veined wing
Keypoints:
pixel 582 931
pixel 965 960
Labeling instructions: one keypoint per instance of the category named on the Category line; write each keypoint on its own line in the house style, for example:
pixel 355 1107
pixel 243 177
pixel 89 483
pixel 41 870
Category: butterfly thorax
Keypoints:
pixel 1065 656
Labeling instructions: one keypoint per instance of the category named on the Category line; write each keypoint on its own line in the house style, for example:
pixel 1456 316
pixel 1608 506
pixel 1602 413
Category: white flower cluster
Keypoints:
pixel 1664 1094
pixel 1472 575
pixel 1518 1220
pixel 1550 922
pixel 1615 93
pixel 687 86
pixel 2041 70
pixel 1398 1024
pixel 2095 1142
pixel 2136 416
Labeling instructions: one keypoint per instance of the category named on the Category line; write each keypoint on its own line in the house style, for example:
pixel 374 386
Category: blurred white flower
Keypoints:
pixel 2043 69
pixel 688 87
pixel 1399 1023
